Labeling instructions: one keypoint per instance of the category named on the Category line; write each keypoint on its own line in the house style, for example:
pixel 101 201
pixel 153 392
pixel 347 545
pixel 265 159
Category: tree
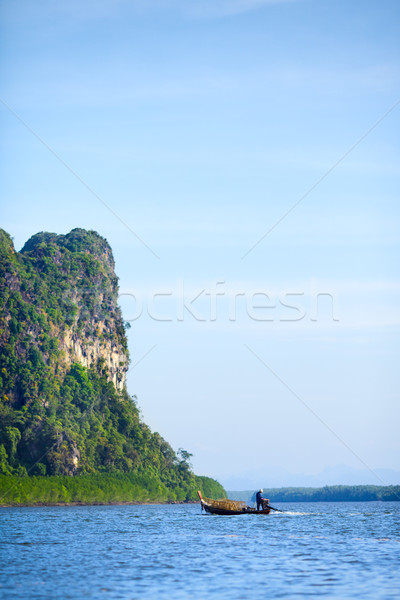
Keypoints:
pixel 185 457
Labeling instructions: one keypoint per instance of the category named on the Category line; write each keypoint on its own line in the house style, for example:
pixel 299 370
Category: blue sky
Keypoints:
pixel 245 148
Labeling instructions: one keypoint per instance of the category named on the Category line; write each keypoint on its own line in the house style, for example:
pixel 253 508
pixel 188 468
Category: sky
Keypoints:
pixel 241 157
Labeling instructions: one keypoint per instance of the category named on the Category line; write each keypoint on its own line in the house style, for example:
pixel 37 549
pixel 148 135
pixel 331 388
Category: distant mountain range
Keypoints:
pixel 336 475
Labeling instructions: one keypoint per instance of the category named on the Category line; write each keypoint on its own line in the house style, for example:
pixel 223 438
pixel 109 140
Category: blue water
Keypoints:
pixel 332 550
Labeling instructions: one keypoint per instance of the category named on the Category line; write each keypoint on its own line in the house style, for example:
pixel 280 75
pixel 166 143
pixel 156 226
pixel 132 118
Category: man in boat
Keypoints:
pixel 259 499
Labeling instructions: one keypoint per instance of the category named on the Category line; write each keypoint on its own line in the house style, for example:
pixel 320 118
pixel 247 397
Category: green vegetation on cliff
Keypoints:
pixel 64 407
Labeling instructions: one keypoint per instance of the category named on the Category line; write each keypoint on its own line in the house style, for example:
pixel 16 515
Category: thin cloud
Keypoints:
pixel 225 8
pixel 92 10
pixel 124 82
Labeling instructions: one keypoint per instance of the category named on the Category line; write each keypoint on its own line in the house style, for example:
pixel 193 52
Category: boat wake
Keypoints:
pixel 292 513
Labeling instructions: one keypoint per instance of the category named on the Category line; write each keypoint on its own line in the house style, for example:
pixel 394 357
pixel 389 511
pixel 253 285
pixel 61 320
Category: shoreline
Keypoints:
pixel 116 503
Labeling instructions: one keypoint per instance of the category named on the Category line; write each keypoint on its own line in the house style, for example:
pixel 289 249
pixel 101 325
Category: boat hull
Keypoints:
pixel 220 511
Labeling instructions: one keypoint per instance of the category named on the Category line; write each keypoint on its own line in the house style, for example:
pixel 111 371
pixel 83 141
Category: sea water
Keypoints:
pixel 332 550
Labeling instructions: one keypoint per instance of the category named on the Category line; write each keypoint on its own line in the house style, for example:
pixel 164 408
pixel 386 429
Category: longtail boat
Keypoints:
pixel 229 507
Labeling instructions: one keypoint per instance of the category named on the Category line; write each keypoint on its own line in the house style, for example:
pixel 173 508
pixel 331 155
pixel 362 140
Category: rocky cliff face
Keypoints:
pixel 61 338
pixel 64 288
pixel 92 351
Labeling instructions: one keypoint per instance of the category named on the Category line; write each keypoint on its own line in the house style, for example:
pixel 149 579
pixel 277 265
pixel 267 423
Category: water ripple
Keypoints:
pixel 337 550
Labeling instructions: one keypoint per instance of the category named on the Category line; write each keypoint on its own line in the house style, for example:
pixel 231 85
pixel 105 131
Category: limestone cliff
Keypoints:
pixel 61 335
pixel 64 407
pixel 70 283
